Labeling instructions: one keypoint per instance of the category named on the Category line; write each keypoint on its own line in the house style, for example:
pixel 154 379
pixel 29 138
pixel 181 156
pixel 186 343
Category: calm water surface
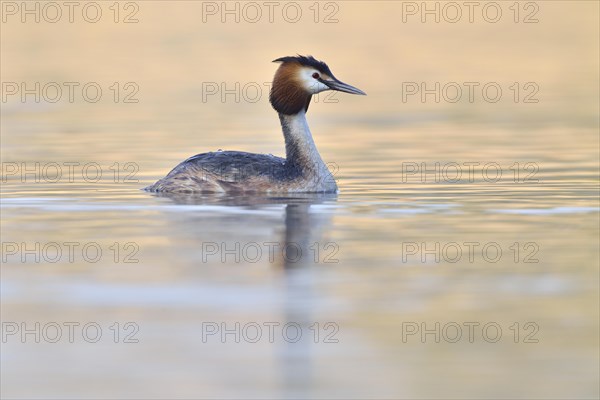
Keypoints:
pixel 501 231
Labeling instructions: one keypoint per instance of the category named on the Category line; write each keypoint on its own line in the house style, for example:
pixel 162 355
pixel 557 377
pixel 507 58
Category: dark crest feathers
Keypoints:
pixel 308 61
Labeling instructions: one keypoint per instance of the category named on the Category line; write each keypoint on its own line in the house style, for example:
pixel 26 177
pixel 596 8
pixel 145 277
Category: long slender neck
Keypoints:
pixel 300 148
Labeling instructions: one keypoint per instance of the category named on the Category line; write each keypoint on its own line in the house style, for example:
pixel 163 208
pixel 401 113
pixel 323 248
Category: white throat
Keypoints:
pixel 299 141
pixel 301 150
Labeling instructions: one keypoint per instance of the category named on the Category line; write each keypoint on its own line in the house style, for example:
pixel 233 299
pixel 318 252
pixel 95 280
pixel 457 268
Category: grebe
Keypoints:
pixel 303 170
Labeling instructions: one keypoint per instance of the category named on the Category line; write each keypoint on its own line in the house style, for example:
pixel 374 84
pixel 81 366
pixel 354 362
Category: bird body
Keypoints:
pixel 303 169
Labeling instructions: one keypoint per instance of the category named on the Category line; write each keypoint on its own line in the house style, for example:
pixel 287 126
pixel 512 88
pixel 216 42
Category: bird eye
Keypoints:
pixel 315 75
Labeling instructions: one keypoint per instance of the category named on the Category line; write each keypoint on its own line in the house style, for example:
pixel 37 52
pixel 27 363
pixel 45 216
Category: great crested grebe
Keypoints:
pixel 303 170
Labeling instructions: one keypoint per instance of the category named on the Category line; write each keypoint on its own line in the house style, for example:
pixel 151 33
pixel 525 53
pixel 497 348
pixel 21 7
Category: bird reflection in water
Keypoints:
pixel 303 233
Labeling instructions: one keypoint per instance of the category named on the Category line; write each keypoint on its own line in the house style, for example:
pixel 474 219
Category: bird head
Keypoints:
pixel 298 78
